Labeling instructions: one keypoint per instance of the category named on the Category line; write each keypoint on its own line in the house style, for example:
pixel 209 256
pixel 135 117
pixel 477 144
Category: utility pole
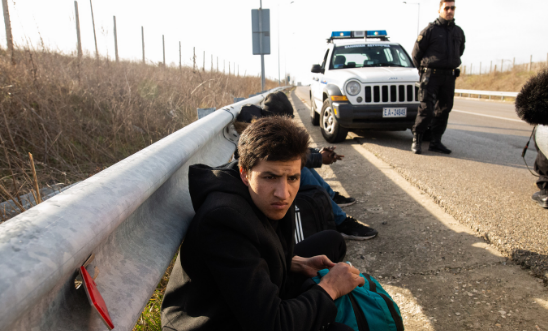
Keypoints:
pixel 115 40
pixel 94 35
pixel 261 44
pixel 418 13
pixel 9 36
pixel 79 45
pixel 164 49
pixel 279 82
pixel 143 39
pixel 194 59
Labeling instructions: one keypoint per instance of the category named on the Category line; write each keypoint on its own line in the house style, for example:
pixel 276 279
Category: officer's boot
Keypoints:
pixel 417 142
pixel 437 146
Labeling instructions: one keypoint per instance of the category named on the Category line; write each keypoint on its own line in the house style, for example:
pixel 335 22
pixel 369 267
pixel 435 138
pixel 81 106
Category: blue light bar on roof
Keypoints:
pixel 341 34
pixel 359 34
pixel 376 33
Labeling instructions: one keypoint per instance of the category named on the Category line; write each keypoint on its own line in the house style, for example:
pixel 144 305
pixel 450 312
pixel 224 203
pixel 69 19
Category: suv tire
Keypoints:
pixel 314 116
pixel 331 130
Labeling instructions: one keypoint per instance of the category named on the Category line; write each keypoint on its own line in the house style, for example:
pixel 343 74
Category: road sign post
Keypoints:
pixel 260 25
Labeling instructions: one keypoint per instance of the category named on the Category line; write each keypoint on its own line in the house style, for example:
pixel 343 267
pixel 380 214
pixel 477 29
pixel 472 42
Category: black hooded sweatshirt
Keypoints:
pixel 232 272
pixel 440 45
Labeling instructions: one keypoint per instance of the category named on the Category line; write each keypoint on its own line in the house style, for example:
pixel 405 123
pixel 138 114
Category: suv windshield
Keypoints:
pixel 369 55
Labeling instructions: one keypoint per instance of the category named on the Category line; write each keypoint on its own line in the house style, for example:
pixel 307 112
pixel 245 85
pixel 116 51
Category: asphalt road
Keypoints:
pixel 484 184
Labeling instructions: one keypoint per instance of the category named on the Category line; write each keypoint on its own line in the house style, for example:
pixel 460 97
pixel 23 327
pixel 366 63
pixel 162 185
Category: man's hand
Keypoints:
pixel 341 280
pixel 329 156
pixel 310 266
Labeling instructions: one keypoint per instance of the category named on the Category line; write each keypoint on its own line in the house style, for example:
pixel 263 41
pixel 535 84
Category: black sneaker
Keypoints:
pixel 541 198
pixel 351 228
pixel 343 201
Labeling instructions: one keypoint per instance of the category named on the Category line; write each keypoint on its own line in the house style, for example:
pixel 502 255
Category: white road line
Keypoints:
pixel 460 111
pixel 500 118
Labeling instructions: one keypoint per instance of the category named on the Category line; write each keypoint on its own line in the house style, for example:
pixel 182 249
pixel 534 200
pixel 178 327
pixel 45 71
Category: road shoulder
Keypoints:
pixel 442 274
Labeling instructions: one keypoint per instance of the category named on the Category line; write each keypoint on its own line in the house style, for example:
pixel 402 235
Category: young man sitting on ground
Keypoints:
pixel 238 267
pixel 278 104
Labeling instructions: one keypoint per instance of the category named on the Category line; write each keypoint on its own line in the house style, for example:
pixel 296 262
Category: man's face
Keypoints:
pixel 447 10
pixel 273 185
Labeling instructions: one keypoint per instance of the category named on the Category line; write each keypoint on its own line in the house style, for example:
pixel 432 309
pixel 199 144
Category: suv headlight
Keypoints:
pixel 353 88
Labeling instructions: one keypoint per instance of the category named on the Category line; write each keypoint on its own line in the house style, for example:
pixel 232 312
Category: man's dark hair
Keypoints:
pixel 532 101
pixel 277 104
pixel 275 138
pixel 442 1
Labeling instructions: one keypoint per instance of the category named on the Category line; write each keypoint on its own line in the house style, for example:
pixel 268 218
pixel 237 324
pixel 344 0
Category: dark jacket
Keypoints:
pixel 232 272
pixel 314 158
pixel 439 46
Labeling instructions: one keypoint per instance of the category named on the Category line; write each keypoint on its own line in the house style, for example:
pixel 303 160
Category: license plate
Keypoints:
pixel 394 112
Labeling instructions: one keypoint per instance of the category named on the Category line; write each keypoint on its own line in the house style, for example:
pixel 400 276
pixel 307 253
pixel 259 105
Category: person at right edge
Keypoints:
pixel 532 107
pixel 436 54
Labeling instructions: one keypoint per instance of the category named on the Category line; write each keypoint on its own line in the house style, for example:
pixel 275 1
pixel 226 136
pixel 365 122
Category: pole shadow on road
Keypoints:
pixel 442 276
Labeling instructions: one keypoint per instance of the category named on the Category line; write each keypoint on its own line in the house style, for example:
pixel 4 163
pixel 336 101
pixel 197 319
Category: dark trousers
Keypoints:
pixel 436 97
pixel 541 167
pixel 331 244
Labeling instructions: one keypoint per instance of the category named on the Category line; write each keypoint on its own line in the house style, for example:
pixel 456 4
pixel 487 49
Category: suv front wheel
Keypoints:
pixel 331 130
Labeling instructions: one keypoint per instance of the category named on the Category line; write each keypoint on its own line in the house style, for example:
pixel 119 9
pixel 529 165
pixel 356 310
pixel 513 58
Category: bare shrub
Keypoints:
pixel 78 117
pixel 509 81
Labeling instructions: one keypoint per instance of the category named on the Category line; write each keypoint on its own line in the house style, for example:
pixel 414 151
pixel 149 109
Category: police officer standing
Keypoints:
pixel 437 54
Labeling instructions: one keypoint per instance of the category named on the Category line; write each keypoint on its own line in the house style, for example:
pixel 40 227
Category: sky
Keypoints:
pixel 496 30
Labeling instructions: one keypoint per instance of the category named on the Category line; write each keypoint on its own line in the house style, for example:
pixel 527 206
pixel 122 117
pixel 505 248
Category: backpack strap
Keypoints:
pixel 361 320
pixel 389 303
pixel 372 285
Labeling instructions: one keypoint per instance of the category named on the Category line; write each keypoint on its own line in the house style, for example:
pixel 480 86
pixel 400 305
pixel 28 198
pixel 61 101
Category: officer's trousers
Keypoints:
pixel 436 96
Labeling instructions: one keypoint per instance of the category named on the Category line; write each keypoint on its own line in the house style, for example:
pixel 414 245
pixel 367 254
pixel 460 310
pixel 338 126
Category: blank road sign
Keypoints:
pixel 261 30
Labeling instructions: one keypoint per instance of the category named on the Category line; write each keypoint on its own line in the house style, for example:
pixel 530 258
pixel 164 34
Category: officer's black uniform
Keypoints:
pixel 437 54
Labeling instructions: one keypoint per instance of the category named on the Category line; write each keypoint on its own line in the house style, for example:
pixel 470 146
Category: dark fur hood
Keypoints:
pixel 532 101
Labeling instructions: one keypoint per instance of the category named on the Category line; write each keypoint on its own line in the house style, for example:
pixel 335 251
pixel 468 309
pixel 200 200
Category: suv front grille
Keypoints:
pixel 390 93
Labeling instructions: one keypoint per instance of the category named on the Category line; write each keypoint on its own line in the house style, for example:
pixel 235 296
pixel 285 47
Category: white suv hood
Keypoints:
pixel 373 75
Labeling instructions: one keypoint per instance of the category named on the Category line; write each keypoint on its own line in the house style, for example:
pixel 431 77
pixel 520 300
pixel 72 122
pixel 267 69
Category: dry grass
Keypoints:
pixel 508 81
pixel 78 117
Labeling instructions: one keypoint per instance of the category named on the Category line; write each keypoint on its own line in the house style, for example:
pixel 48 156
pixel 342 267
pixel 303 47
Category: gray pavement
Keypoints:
pixel 484 183
pixel 442 273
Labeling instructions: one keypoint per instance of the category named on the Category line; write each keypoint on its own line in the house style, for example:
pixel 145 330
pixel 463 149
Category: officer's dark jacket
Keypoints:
pixel 439 46
pixel 232 272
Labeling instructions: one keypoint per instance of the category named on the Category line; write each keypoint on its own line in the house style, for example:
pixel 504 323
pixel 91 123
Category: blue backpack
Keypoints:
pixel 367 308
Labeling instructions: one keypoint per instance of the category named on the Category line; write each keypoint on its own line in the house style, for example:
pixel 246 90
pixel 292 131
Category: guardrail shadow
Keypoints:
pixel 441 275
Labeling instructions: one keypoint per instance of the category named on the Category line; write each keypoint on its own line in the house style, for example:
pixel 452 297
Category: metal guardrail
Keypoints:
pixel 488 93
pixel 131 216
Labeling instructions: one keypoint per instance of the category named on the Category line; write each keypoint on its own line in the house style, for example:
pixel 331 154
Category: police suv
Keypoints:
pixel 364 82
